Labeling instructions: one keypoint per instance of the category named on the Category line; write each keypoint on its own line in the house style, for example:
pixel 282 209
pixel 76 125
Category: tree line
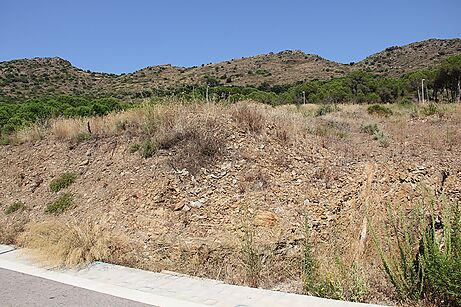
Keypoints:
pixel 14 116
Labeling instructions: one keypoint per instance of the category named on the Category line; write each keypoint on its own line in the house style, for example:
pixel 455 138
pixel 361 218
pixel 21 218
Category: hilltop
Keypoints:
pixel 28 78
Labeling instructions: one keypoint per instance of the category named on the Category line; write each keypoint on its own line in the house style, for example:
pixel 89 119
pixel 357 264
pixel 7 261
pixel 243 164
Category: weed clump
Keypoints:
pixel 63 181
pixel 16 206
pixel 63 203
pixel 250 117
pixel 67 245
pixel 369 128
pixel 251 257
pixel 148 149
pixel 430 109
pixel 134 148
pixel 379 110
pixel 425 257
pixel 340 282
pixel 325 109
pixel 82 137
pixel 378 135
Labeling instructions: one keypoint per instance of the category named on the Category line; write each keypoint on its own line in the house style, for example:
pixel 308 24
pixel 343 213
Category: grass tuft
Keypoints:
pixel 16 206
pixel 148 149
pixel 63 181
pixel 63 203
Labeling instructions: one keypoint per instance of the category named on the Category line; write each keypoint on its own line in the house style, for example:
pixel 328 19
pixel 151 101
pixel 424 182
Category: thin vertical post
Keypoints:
pixel 419 95
pixel 422 90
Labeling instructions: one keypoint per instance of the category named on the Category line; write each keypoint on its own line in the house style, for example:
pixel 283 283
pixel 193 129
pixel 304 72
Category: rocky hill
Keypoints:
pixel 398 60
pixel 35 77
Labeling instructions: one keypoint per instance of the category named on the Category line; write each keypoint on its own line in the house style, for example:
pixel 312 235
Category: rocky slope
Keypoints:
pixel 273 168
pixel 397 60
pixel 49 76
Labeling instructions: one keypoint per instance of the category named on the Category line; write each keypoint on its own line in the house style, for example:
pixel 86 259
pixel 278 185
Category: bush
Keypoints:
pixel 82 136
pixel 441 256
pixel 15 116
pixel 406 102
pixel 400 265
pixel 63 203
pixel 14 207
pixel 377 134
pixel 425 258
pixel 379 110
pixel 63 181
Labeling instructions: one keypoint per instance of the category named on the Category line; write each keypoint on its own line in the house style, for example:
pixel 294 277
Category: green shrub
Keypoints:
pixel 425 258
pixel 63 203
pixel 381 138
pixel 4 140
pixel 441 256
pixel 379 110
pixel 148 149
pixel 63 181
pixel 15 116
pixel 14 207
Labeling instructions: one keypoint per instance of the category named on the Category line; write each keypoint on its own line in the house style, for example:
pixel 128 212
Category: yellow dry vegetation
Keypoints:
pixel 68 244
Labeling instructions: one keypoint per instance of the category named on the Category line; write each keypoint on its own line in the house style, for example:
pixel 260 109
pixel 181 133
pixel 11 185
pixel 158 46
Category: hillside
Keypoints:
pixel 397 60
pixel 28 78
pixel 184 184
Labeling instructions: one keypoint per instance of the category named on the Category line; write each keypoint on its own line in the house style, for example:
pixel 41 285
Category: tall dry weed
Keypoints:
pixel 67 244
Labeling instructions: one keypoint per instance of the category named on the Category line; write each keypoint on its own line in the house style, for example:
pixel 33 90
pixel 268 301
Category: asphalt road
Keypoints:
pixel 21 290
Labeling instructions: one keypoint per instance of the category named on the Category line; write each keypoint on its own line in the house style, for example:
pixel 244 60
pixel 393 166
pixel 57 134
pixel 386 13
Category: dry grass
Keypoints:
pixel 250 116
pixel 195 133
pixel 67 244
pixel 10 231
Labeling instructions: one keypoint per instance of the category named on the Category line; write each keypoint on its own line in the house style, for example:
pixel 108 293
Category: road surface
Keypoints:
pixel 21 290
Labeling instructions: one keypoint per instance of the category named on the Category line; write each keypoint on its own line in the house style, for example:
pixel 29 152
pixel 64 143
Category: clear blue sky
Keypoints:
pixel 123 36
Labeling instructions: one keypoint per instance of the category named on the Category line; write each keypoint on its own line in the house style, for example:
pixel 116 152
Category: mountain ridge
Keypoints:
pixel 28 78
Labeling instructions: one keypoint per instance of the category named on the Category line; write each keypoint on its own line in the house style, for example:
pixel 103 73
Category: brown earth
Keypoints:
pixel 27 78
pixel 253 169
